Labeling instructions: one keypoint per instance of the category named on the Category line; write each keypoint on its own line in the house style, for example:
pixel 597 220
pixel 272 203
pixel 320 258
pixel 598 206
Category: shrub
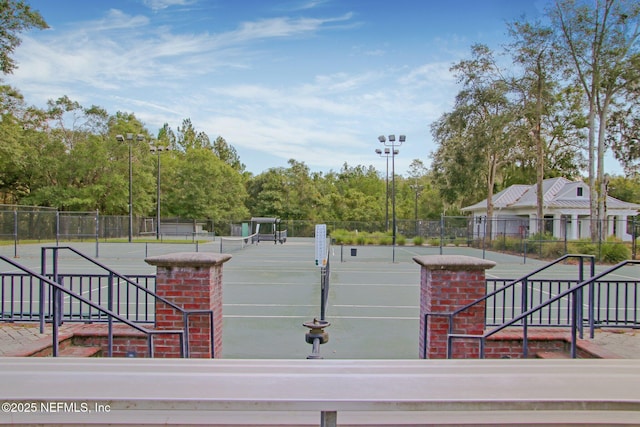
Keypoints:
pixel 460 241
pixel 418 241
pixel 386 239
pixel 614 251
pixel 433 242
pixel 401 240
pixel 583 246
pixel 552 250
pixel 339 236
pixel 378 238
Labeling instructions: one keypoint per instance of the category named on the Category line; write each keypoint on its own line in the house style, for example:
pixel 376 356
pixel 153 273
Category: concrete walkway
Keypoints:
pixel 23 339
pixel 623 342
pixel 20 339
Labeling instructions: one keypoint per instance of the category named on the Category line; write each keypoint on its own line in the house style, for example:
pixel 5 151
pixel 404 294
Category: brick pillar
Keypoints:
pixel 192 281
pixel 448 282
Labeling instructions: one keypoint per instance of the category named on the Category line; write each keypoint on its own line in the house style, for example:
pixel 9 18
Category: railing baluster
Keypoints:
pixel 524 308
pixel 110 320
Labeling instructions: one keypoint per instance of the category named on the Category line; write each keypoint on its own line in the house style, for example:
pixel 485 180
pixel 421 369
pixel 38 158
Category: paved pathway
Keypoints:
pixel 623 342
pixel 18 338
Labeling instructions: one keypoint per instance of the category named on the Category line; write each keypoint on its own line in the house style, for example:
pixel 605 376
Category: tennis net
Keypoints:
pixel 231 244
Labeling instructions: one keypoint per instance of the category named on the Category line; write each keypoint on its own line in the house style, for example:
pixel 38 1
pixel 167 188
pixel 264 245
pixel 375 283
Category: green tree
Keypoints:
pixel 15 17
pixel 623 127
pixel 13 153
pixel 228 154
pixel 477 138
pixel 359 195
pixel 267 193
pixel 203 187
pixel 627 189
pixel 189 137
pixel 545 139
pixel 533 50
pixel 600 40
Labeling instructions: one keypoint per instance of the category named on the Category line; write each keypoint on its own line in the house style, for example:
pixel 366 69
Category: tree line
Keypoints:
pixel 560 94
pixel 551 103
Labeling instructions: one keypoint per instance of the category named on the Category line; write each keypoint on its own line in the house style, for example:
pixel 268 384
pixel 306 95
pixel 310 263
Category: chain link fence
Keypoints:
pixel 618 238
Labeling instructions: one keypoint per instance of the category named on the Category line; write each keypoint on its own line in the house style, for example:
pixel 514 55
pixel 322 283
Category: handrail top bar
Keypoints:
pixel 78 297
pixel 356 385
pixel 118 275
pixel 526 276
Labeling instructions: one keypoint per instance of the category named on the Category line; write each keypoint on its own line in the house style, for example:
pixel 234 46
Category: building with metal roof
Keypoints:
pixel 566 210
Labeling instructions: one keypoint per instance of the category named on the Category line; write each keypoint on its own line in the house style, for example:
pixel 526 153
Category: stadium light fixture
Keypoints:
pixel 129 139
pixel 158 149
pixel 391 142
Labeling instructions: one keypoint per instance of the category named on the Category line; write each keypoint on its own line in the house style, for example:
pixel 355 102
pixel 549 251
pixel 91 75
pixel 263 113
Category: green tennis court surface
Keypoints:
pixel 271 289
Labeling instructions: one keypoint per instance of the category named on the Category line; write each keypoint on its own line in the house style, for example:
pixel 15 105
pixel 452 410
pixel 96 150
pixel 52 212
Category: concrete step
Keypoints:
pixel 79 351
pixel 552 355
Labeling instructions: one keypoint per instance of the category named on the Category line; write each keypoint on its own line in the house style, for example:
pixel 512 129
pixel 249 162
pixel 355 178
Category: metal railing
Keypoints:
pixel 57 302
pixel 616 303
pixel 20 299
pixel 574 293
pixel 111 294
pixel 508 293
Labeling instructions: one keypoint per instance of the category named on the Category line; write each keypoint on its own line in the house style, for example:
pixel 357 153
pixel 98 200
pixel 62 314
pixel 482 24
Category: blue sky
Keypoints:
pixel 312 80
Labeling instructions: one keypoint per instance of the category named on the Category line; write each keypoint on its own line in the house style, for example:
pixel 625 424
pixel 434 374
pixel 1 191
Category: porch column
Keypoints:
pixel 622 228
pixel 533 224
pixel 557 226
pixel 574 227
pixel 611 228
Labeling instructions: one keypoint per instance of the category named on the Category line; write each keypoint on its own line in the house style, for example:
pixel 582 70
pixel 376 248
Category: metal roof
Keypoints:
pixel 557 193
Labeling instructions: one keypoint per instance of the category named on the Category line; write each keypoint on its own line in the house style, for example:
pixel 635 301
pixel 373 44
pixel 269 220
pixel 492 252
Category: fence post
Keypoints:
pixel 441 232
pixel 57 228
pixel 97 232
pixel 633 237
pixel 15 234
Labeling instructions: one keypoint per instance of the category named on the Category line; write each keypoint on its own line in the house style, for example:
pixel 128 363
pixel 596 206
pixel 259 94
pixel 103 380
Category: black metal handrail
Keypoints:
pixel 524 292
pixel 112 273
pixel 574 291
pixel 57 321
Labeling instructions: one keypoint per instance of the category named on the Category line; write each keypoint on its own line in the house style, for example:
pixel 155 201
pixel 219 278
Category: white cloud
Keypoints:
pixel 124 63
pixel 163 4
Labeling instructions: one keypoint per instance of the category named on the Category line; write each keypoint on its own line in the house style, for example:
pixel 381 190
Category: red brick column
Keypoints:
pixel 192 281
pixel 448 282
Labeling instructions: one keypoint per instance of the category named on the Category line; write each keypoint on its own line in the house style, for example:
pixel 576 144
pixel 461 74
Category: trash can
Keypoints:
pixel 354 251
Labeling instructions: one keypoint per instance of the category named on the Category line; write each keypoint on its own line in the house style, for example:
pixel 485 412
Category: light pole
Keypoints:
pixel 387 154
pixel 392 143
pixel 129 139
pixel 158 150
pixel 417 188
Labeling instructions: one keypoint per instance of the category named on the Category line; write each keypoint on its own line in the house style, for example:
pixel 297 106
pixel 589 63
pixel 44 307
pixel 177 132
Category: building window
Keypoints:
pixel 579 191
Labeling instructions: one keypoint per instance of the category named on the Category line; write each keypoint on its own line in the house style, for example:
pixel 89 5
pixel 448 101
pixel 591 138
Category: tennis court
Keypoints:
pixel 271 289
